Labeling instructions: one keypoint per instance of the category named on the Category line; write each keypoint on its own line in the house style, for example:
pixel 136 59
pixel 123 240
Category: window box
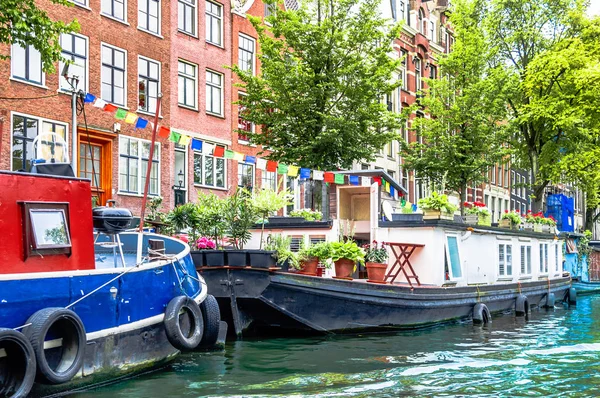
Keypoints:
pixel 415 217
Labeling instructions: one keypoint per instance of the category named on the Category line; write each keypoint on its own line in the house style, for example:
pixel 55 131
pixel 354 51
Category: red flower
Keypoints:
pixel 528 211
pixel 506 211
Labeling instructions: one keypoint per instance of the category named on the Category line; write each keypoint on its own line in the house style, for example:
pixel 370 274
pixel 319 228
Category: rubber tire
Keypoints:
pixel 211 315
pixel 550 300
pixel 25 377
pixel 521 305
pixel 173 327
pixel 41 322
pixel 481 314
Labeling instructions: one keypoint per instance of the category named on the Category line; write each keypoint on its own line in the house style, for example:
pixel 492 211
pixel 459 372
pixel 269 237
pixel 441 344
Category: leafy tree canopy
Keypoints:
pixel 325 70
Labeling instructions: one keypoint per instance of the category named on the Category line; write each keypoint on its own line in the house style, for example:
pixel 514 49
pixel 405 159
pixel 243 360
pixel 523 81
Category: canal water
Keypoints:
pixel 554 353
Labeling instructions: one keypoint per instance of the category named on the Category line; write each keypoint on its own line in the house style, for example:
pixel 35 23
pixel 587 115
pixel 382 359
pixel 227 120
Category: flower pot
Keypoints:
pixel 546 228
pixel 505 223
pixel 376 272
pixel 214 258
pixel 277 220
pixel 285 266
pixel 537 227
pixel 198 258
pixel 237 258
pixel 472 219
pixel 528 226
pixel 261 258
pixel 429 214
pixel 344 268
pixel 414 217
pixel 309 267
pixel 485 220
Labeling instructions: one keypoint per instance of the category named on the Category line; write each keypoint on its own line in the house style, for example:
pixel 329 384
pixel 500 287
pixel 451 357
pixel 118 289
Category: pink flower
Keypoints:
pixel 205 243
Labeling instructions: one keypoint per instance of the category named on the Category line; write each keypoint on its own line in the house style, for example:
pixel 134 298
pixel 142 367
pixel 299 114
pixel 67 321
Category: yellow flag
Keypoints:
pixel 238 156
pixel 184 140
pixel 130 118
pixel 293 171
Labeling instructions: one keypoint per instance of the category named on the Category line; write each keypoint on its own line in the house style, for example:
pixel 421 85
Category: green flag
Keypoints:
pixel 174 136
pixel 121 114
pixel 282 168
pixel 339 179
pixel 228 154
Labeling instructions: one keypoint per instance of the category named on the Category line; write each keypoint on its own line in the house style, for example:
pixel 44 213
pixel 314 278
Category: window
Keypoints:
pixel 432 71
pixel 543 258
pixel 26 64
pixel 246 54
pixel 526 260
pixel 393 6
pixel 180 166
pixel 214 93
pixel 493 181
pixel 402 8
pixel 431 31
pixel 214 23
pixel 453 258
pixel 80 2
pixel 504 260
pixel 556 257
pixel 114 75
pixel 245 175
pixel 186 16
pixel 187 83
pixel 134 154
pixel 269 180
pixel 46 228
pixel 404 77
pixel 243 124
pixel 24 130
pixel 269 9
pixel 149 15
pixel 291 185
pixel 148 84
pixel 209 170
pixel 422 22
pixel 364 166
pixel 390 150
pixel 115 9
pixel 75 49
pixel 513 181
pixel 418 80
pixel 506 176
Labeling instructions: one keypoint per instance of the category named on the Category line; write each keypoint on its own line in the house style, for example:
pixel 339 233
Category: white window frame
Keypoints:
pixel 124 104
pixel 148 111
pixel 212 86
pixel 252 126
pixel 503 250
pixel 526 260
pixel 266 177
pixel 40 120
pixel 111 16
pixel 543 258
pixel 219 18
pixel 184 150
pixel 253 40
pixel 296 194
pixel 81 3
pixel 185 76
pixel 202 184
pixel 87 63
pixel 418 75
pixel 193 4
pixel 25 80
pixel 253 167
pixel 556 258
pixel 141 170
pixel 159 18
pixel 432 31
pixel 447 248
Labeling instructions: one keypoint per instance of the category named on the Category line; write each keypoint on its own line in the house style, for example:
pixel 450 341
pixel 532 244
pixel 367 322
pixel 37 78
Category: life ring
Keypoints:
pixel 58 339
pixel 550 300
pixel 183 323
pixel 211 315
pixel 17 364
pixel 521 305
pixel 481 314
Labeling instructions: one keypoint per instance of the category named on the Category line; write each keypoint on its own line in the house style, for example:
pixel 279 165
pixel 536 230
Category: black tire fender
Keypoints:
pixel 59 364
pixel 211 315
pixel 521 305
pixel 550 300
pixel 188 339
pixel 17 364
pixel 481 314
pixel 571 296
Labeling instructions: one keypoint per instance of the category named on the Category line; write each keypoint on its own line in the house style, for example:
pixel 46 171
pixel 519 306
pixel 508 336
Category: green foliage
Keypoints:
pixel 153 205
pixel 240 215
pixel 513 216
pixel 321 250
pixel 307 214
pixel 23 23
pixel 407 208
pixel 348 250
pixel 325 69
pixel 281 245
pixel 211 210
pixel 266 202
pixel 437 202
pixel 583 248
pixel 183 216
pixel 376 254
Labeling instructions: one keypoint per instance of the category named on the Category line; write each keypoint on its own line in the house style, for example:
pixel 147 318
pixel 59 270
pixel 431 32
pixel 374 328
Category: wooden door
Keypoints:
pixel 95 163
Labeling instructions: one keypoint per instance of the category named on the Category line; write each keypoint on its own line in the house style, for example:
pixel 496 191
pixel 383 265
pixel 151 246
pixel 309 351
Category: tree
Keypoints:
pixel 325 69
pixel 464 134
pixel 538 43
pixel 23 23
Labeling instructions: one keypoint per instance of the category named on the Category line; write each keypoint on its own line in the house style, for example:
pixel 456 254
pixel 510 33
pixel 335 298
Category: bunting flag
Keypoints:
pixel 121 114
pixel 377 180
pixel 208 148
pixel 89 98
pixel 353 180
pixel 100 103
pixel 175 136
pixel 238 156
pixel 228 154
pixel 365 181
pixel 219 151
pixel 141 123
pixel 110 108
pixel 339 179
pixel 185 140
pixel 304 173
pixel 164 132
pixel 130 118
pixel 250 159
pixel 196 144
pixel 392 191
pixel 318 175
pixel 282 168
pixel 261 164
pixel 293 171
pixel 271 166
pixel 329 177
pixel 387 186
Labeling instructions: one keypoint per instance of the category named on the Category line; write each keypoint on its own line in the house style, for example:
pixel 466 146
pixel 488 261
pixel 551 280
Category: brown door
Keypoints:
pixel 95 163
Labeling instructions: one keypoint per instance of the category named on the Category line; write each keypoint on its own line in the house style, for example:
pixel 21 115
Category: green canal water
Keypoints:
pixel 554 353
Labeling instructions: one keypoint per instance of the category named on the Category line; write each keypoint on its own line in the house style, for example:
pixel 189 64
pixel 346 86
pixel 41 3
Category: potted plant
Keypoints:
pixel 376 257
pixel 345 255
pixel 537 219
pixel 267 202
pixel 307 214
pixel 437 207
pixel 548 224
pixel 240 216
pixel 199 247
pixel 210 210
pixel 407 213
pixel 310 256
pixel 476 213
pixel 528 221
pixel 284 257
pixel 510 219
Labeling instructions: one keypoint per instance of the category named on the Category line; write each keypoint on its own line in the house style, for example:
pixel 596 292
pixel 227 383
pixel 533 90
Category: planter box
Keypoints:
pixel 198 258
pixel 261 258
pixel 507 224
pixel 485 220
pixel 237 258
pixel 528 226
pixel 546 228
pixel 414 217
pixel 472 219
pixel 537 227
pixel 214 258
pixel 437 215
pixel 285 220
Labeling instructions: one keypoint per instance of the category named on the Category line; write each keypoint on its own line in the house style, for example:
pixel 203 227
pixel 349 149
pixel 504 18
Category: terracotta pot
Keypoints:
pixel 344 268
pixel 376 272
pixel 309 267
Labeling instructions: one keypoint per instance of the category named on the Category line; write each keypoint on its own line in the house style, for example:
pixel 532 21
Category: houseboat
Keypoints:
pixel 437 271
pixel 582 264
pixel 82 300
